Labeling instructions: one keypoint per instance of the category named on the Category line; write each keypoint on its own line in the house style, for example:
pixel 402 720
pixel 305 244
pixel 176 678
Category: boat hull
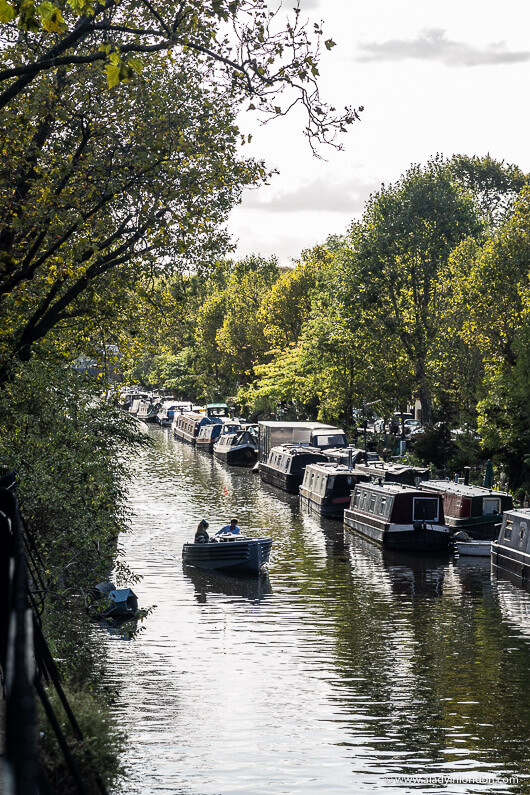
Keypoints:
pixel 400 537
pixel 476 548
pixel 281 480
pixel 237 555
pixel 330 510
pixel 239 456
pixel 513 562
pixel 188 438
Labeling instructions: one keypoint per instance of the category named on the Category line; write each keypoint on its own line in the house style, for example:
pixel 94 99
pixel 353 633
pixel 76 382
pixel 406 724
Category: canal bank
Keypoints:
pixel 345 669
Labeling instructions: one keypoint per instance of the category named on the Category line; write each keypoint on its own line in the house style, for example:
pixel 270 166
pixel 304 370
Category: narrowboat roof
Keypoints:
pixel 520 513
pixel 382 466
pixel 295 449
pixel 310 425
pixel 464 489
pixel 396 488
pixel 331 468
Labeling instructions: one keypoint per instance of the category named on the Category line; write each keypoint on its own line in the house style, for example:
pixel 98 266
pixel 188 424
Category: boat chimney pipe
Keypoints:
pixel 350 458
pixel 467 470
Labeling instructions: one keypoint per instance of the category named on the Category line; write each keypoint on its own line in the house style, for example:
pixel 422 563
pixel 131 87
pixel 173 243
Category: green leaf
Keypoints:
pixel 7 12
pixel 51 17
pixel 113 74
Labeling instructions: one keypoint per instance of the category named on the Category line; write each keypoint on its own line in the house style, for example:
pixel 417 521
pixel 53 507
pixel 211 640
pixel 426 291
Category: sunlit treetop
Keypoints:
pixel 268 58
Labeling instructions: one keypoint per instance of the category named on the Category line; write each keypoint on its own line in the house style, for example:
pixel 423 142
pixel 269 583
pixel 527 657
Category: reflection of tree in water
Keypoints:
pixel 432 666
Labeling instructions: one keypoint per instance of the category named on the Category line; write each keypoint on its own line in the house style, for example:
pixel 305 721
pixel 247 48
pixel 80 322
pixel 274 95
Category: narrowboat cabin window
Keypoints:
pixel 372 503
pixel 508 529
pixel 491 505
pixel 425 509
pixel 382 506
pixel 522 531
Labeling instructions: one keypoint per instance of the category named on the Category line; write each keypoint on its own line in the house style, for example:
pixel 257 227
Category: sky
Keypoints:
pixel 433 77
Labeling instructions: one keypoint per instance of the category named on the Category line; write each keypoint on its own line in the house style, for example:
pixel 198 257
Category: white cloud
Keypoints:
pixel 319 195
pixel 433 45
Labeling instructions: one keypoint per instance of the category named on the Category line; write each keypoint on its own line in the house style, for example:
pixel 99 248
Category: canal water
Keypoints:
pixel 344 669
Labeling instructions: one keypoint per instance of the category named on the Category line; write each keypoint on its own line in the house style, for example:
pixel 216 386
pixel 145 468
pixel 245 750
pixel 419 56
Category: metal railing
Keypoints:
pixel 26 665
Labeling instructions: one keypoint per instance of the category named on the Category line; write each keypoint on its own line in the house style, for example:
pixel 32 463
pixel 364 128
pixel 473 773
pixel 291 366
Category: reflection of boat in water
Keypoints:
pixel 216 582
pixel 236 553
pixel 394 571
pixel 514 604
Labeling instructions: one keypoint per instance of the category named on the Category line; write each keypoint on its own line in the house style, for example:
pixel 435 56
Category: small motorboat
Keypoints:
pixel 229 552
pixel 477 547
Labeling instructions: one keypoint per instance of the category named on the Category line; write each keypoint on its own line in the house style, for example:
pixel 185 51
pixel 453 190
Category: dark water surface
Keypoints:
pixel 345 669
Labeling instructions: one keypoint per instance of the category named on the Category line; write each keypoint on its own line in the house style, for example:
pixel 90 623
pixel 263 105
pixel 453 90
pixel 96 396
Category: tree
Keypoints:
pixel 398 251
pixel 491 297
pixel 244 46
pixel 229 326
pixel 493 184
pixel 285 308
pixel 97 192
pixel 67 449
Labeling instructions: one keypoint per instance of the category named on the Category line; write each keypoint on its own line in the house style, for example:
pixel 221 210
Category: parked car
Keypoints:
pixel 412 427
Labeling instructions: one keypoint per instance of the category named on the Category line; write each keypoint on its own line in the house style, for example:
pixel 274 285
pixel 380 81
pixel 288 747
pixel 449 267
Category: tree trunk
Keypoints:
pixel 424 393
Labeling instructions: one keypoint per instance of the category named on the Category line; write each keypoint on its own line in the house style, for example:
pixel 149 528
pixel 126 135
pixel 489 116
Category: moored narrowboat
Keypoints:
pixel 510 553
pixel 239 448
pixel 398 517
pixel 169 409
pixel 186 426
pixel 313 434
pixel 351 456
pixel 286 464
pixel 326 488
pixel 394 473
pixel 475 509
pixel 209 434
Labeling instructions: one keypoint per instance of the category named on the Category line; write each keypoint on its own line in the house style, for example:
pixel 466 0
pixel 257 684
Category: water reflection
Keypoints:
pixel 210 582
pixel 345 667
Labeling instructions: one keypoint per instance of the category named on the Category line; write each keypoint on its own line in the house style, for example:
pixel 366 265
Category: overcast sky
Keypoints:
pixel 448 77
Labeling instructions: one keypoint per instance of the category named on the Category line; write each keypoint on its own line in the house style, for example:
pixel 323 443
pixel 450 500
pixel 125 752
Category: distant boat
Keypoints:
pixel 285 465
pixel 209 434
pixel 394 473
pixel 312 434
pixel 186 426
pixel 326 488
pixel 229 552
pixel 239 448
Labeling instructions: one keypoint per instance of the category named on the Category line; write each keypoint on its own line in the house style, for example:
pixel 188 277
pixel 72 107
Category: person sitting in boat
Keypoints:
pixel 201 536
pixel 229 528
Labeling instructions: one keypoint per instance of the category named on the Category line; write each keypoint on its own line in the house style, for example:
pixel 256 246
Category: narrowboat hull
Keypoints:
pixel 431 538
pixel 513 562
pixel 205 445
pixel 242 456
pixel 282 480
pixel 188 438
pixel 332 510
pixel 239 555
